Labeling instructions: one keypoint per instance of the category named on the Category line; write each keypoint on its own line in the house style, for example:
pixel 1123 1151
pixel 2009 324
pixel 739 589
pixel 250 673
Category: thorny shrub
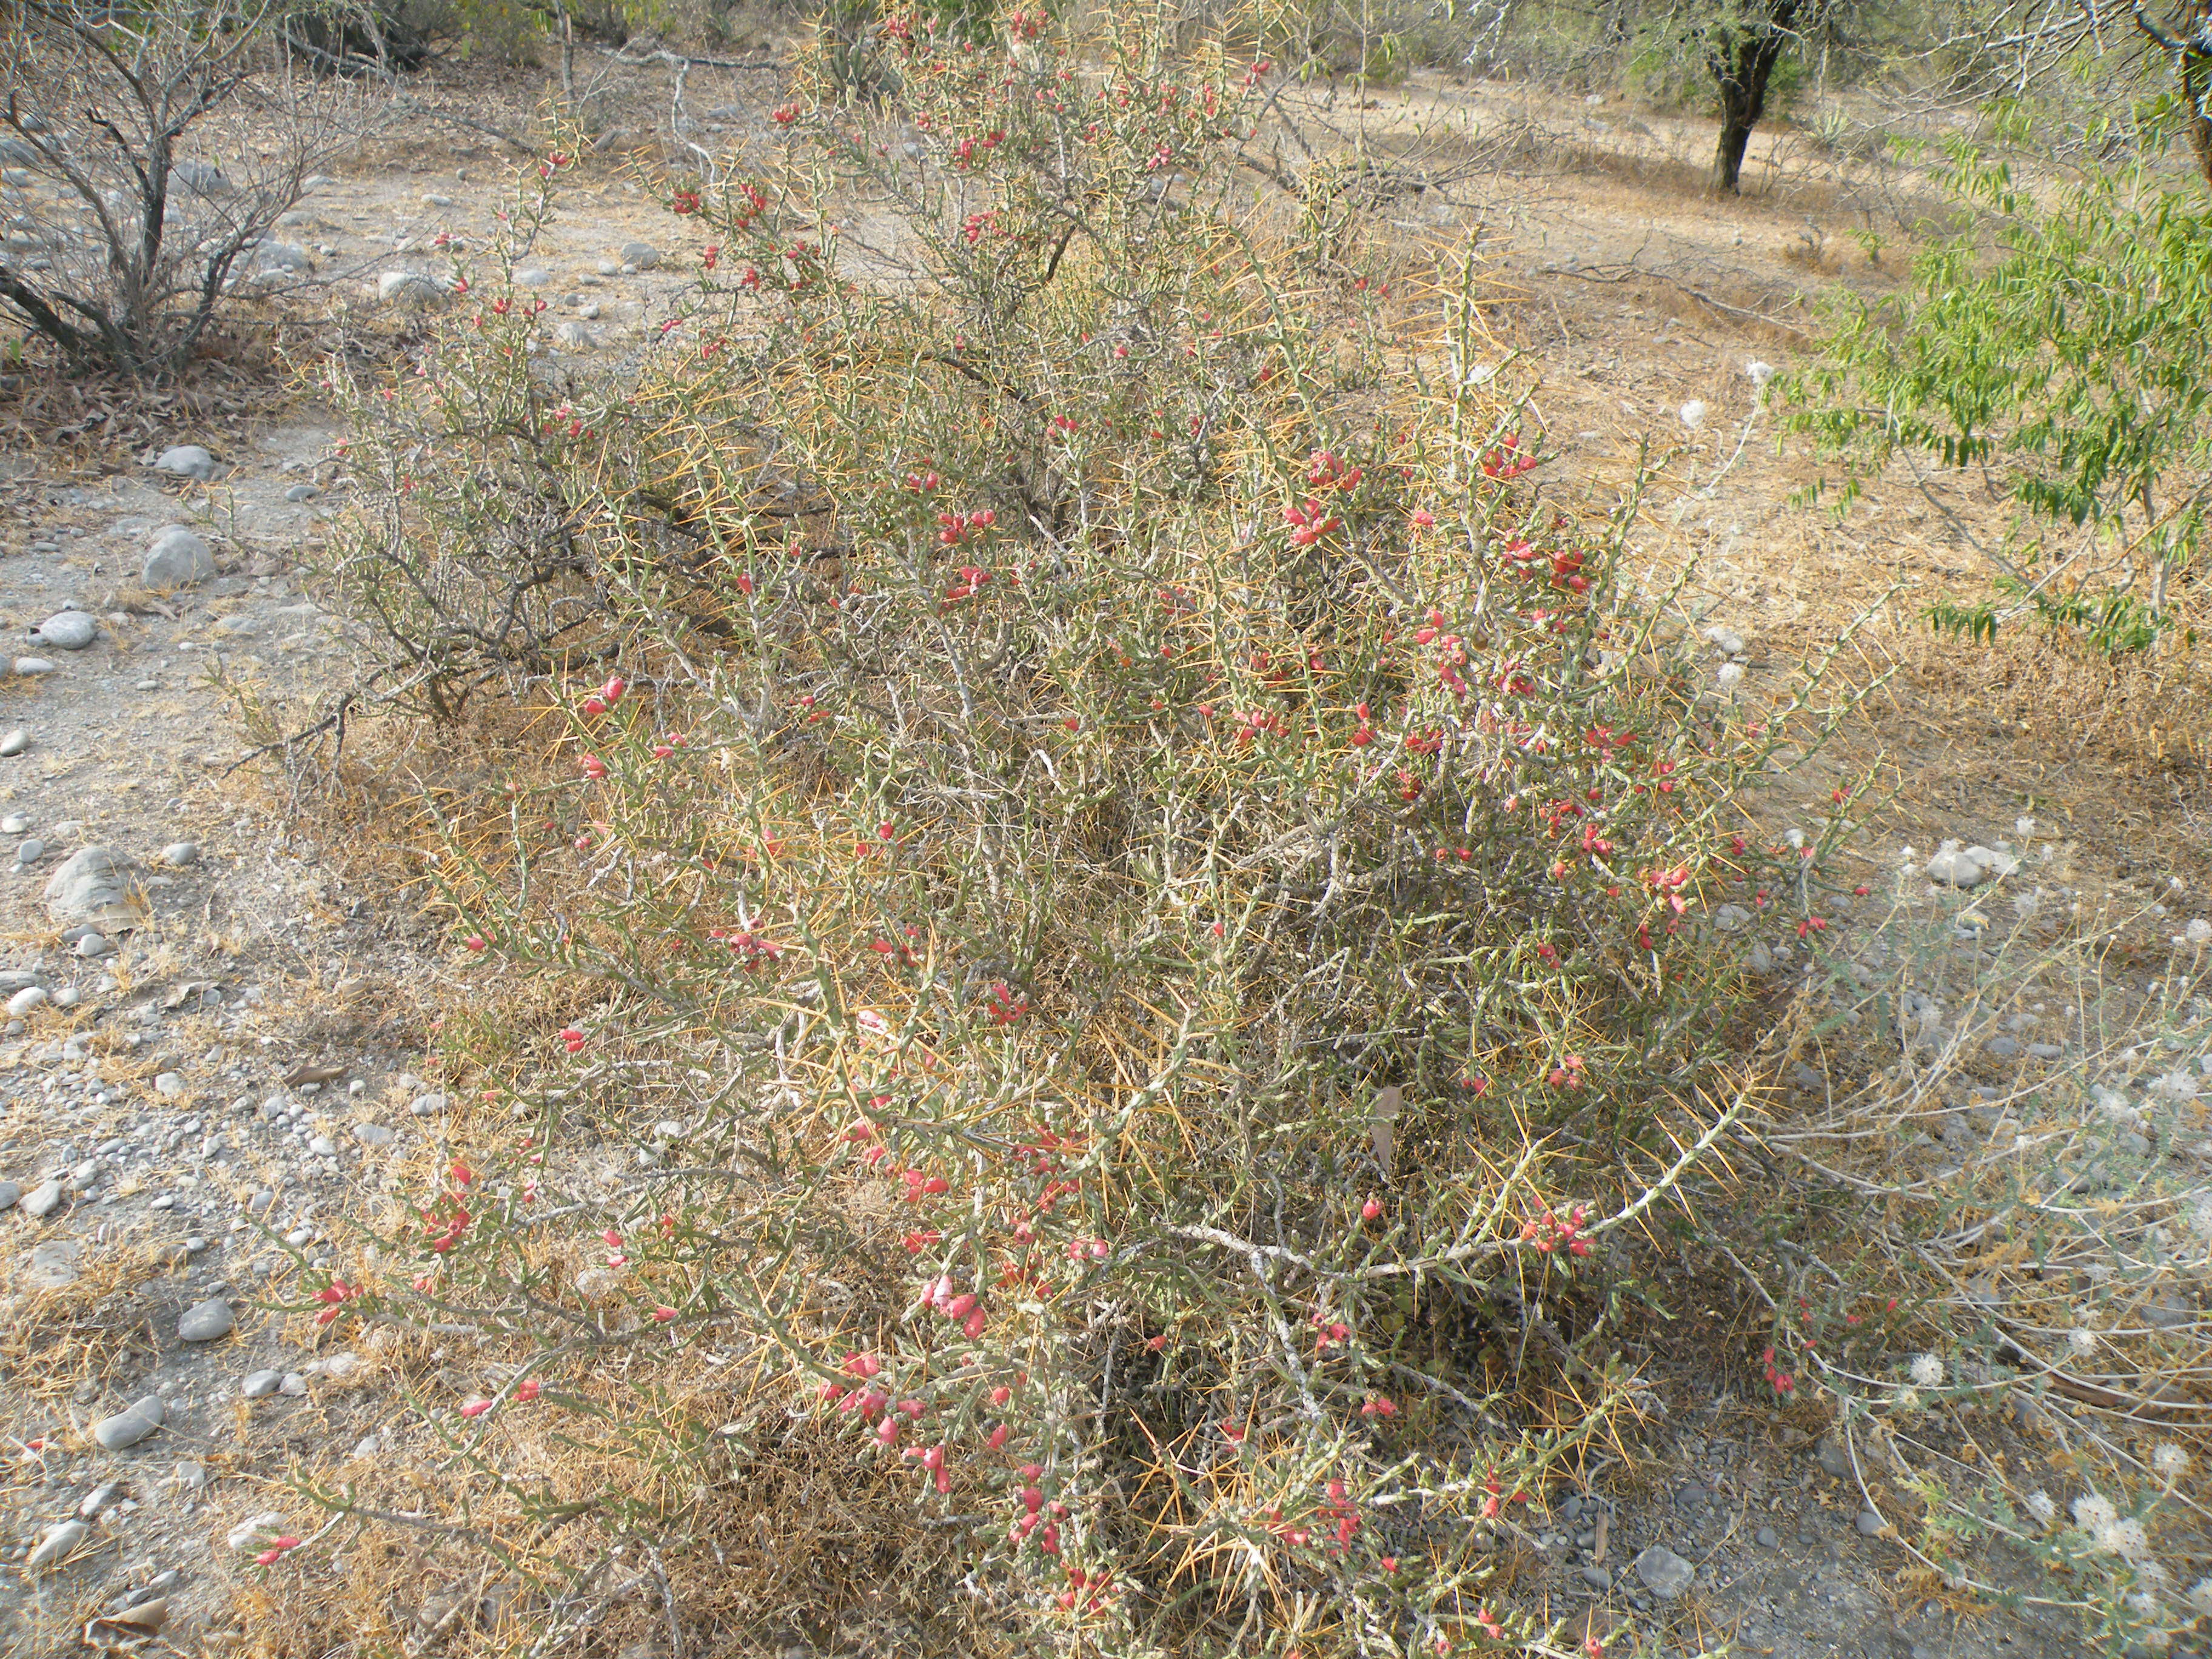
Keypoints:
pixel 1127 888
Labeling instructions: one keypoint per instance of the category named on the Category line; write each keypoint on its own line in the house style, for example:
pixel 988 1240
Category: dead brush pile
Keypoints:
pixel 1108 886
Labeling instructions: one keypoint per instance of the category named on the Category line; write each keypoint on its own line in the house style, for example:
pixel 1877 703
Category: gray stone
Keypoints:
pixel 9 1192
pixel 206 1320
pixel 1767 1538
pixel 1832 1458
pixel 97 886
pixel 427 1105
pixel 2045 1051
pixel 66 630
pixel 25 1001
pixel 643 255
pixel 177 557
pixel 1870 1524
pixel 259 1385
pixel 258 1203
pixel 90 945
pixel 374 1135
pixel 533 276
pixel 2002 1048
pixel 98 1499
pixel 13 824
pixel 59 1540
pixel 202 179
pixel 282 257
pixel 1664 1573
pixel 1726 641
pixel 31 851
pixel 408 290
pixel 574 336
pixel 181 854
pixel 294 1387
pixel 32 667
pixel 169 1084
pixel 2169 1312
pixel 322 1146
pixel 1969 866
pixel 54 1264
pixel 302 492
pixel 14 743
pixel 1597 1578
pixel 43 1199
pixel 127 1428
pixel 186 461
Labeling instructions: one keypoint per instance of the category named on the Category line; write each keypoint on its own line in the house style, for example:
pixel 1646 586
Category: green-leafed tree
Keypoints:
pixel 2059 350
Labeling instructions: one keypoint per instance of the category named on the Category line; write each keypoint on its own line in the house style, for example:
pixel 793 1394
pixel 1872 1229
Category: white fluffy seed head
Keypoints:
pixel 1928 1371
pixel 2081 1340
pixel 2092 1510
pixel 2124 1537
pixel 2200 1595
pixel 1730 675
pixel 2042 1507
pixel 2170 1460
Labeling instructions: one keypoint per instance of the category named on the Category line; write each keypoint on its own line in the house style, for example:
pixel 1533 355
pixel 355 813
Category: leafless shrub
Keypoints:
pixel 124 233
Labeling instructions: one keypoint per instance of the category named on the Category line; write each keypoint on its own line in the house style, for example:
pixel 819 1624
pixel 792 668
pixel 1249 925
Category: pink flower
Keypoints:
pixel 476 1408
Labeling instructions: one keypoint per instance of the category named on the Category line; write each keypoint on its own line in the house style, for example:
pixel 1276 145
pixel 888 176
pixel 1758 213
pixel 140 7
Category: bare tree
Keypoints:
pixel 125 232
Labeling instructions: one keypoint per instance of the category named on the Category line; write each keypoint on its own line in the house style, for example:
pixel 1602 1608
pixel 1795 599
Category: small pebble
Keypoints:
pixel 207 1320
pixel 9 1192
pixel 1869 1524
pixel 169 1084
pixel 374 1135
pixel 128 1428
pixel 1768 1538
pixel 67 630
pixel 295 1386
pixel 31 851
pixel 43 1199
pixel 259 1385
pixel 90 945
pixel 30 997
pixel 181 854
pixel 14 743
pixel 59 1541
pixel 1664 1573
pixel 302 492
pixel 32 667
pixel 13 824
pixel 67 997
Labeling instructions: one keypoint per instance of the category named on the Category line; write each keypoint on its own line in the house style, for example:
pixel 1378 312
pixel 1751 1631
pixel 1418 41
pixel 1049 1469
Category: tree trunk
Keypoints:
pixel 2196 92
pixel 1741 63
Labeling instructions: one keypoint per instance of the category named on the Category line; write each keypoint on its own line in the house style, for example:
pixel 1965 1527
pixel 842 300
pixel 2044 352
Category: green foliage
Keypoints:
pixel 2062 351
